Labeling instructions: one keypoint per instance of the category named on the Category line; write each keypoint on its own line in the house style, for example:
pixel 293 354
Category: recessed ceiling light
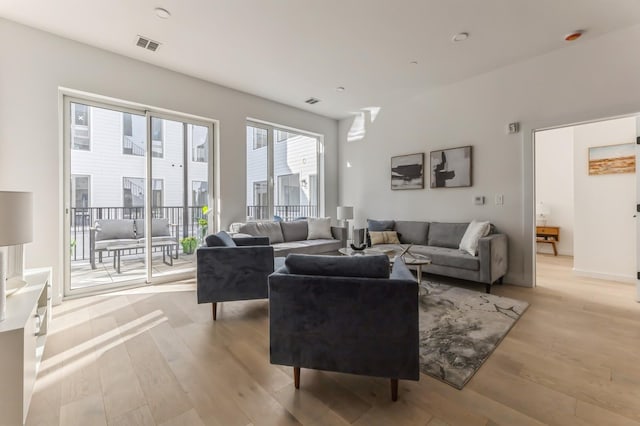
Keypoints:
pixel 340 89
pixel 460 37
pixel 574 35
pixel 162 13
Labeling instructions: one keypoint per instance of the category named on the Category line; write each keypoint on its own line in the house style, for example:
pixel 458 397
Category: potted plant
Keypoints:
pixel 204 223
pixel 189 244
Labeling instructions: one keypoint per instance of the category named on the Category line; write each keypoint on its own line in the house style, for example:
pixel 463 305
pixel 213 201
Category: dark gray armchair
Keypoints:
pixel 345 314
pixel 233 269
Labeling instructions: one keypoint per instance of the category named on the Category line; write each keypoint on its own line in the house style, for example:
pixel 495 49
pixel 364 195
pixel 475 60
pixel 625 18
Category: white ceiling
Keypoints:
pixel 289 50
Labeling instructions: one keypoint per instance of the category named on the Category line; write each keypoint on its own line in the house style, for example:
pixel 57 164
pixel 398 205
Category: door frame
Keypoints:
pixel 65 97
pixel 529 189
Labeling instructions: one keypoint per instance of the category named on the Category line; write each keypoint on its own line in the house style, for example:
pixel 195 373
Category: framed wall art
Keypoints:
pixel 451 168
pixel 407 171
pixel 612 159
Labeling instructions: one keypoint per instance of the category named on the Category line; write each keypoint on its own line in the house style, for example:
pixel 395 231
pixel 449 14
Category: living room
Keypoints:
pixel 484 84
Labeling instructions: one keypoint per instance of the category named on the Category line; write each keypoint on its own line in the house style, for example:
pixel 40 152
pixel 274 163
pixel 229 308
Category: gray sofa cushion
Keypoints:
pixel 338 266
pixel 307 247
pixel 159 227
pixel 446 234
pixel 448 257
pixel 114 229
pixel 412 232
pixel 221 239
pixel 103 244
pixel 267 229
pixel 295 231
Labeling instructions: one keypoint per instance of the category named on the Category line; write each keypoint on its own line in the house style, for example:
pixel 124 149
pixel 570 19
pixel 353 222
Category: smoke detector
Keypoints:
pixel 147 43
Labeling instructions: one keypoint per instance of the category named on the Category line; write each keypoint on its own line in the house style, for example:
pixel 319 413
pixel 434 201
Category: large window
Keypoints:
pixel 290 161
pixel 157 137
pixel 80 138
pixel 133 134
pixel 199 144
pixel 199 193
pixel 289 189
pixel 259 137
pixel 133 190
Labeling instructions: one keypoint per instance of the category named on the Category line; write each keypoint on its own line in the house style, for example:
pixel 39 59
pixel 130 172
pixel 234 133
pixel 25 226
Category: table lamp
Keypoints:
pixel 16 228
pixel 344 214
pixel 542 214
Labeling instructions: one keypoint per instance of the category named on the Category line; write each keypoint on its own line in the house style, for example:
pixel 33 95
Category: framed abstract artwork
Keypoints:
pixel 451 168
pixel 407 171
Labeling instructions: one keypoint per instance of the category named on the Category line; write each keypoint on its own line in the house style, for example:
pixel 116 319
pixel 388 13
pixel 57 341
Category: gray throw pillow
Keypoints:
pixel 378 226
pixel 295 231
pixel 319 228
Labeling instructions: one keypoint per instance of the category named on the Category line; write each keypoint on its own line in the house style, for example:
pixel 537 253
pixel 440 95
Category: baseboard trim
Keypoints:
pixel 601 276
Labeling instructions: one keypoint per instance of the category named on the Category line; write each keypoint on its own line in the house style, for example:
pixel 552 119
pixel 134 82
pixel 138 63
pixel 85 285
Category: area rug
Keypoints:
pixel 460 328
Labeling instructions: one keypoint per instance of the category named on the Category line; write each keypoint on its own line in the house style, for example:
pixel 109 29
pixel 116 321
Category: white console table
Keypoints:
pixel 22 338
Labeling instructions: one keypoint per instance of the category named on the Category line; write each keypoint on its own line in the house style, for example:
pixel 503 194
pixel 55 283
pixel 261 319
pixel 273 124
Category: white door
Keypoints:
pixel 638 207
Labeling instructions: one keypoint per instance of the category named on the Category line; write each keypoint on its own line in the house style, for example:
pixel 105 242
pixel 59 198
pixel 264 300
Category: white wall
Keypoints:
pixel 34 64
pixel 605 229
pixel 587 80
pixel 554 184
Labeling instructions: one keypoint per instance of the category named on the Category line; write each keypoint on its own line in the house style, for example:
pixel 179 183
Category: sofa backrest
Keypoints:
pixel 376 266
pixel 115 229
pixel 412 232
pixel 159 227
pixel 448 235
pixel 266 229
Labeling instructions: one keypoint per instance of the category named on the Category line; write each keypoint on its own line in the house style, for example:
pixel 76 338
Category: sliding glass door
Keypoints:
pixel 282 173
pixel 137 185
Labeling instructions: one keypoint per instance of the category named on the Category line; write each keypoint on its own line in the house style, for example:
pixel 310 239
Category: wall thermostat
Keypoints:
pixel 478 200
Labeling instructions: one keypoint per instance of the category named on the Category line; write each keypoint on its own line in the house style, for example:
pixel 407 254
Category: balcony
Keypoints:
pixel 131 263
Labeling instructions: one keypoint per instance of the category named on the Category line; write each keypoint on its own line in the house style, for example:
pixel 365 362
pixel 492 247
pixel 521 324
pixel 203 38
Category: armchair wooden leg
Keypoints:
pixel 296 377
pixel 214 310
pixel 394 389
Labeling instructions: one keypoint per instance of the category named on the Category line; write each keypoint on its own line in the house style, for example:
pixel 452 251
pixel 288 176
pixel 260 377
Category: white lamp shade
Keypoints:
pixel 345 213
pixel 16 218
pixel 542 209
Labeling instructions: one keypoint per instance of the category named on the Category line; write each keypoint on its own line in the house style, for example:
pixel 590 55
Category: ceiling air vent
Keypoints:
pixel 147 43
pixel 312 101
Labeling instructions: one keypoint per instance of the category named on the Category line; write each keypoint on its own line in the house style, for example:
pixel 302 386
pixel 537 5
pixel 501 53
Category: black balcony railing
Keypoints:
pixel 82 219
pixel 284 212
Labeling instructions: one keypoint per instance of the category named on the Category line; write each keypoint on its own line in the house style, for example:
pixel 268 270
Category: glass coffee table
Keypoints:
pixel 410 259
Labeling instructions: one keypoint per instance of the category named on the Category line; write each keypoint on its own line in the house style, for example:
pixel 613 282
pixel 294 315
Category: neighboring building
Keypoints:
pixel 108 160
pixel 295 174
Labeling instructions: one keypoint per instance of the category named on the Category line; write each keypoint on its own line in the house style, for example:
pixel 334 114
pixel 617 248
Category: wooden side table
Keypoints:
pixel 548 235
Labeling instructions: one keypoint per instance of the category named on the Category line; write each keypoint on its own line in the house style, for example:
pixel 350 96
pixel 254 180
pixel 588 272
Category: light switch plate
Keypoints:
pixel 499 199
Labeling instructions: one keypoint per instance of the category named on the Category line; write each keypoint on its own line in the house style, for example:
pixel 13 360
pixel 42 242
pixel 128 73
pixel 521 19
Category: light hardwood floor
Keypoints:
pixel 154 357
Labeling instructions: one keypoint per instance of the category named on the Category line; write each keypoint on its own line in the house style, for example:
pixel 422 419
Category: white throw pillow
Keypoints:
pixel 319 228
pixel 474 232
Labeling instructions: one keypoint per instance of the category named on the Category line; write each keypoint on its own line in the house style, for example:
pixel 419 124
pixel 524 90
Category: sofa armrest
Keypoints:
pixel 313 324
pixel 340 233
pixel 493 254
pixel 251 241
pixel 233 273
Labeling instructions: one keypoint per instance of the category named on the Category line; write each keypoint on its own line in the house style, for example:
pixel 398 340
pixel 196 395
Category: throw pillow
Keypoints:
pixel 271 230
pixel 377 226
pixel 319 228
pixel 221 239
pixel 384 237
pixel 474 232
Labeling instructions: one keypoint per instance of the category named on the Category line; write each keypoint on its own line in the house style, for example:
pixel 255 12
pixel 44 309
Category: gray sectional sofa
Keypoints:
pixel 440 242
pixel 291 237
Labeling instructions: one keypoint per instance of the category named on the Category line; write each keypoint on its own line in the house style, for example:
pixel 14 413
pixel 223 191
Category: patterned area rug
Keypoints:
pixel 460 328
